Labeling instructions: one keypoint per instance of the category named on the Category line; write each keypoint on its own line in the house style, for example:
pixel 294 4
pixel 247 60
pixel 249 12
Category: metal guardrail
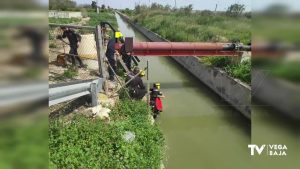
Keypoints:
pixel 22 93
pixel 68 91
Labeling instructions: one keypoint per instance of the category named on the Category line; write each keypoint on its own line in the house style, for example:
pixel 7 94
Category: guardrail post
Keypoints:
pixel 94 93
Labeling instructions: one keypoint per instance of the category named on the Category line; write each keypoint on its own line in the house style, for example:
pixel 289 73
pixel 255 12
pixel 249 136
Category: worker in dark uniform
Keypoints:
pixel 126 57
pixel 74 40
pixel 110 55
pixel 137 89
pixel 37 40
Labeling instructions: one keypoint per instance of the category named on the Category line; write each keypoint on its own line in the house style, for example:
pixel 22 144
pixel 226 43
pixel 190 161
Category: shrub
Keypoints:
pixel 217 61
pixel 241 71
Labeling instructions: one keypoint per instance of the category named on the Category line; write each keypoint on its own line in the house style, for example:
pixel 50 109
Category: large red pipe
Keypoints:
pixel 181 49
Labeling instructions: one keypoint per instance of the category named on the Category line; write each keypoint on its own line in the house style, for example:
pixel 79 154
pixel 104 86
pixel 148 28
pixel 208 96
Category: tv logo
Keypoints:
pixel 256 148
pixel 270 149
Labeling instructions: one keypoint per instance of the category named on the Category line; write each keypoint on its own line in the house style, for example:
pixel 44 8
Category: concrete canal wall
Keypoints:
pixel 280 94
pixel 232 90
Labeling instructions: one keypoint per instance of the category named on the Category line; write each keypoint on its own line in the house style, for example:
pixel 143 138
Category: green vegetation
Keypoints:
pixel 104 15
pixel 107 16
pixel 23 140
pixel 71 72
pixel 217 61
pixel 182 25
pixel 91 143
pixel 64 20
pixel 288 70
pixel 61 4
pixel 200 26
pixel 241 71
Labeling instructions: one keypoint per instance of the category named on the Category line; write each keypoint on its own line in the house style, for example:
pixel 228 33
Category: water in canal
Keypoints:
pixel 201 130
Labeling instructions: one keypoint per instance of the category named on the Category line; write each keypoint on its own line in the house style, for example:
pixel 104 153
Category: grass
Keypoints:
pixel 70 73
pixel 177 26
pixel 23 140
pixel 241 71
pixel 64 20
pixel 287 70
pixel 107 16
pixel 217 61
pixel 91 143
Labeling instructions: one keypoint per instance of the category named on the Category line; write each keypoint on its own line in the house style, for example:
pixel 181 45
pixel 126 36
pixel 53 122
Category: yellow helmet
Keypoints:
pixel 156 85
pixel 142 73
pixel 118 34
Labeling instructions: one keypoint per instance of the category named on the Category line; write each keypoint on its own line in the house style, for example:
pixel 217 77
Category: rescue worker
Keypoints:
pixel 37 39
pixel 155 101
pixel 119 37
pixel 126 57
pixel 74 41
pixel 110 55
pixel 137 89
pixel 155 91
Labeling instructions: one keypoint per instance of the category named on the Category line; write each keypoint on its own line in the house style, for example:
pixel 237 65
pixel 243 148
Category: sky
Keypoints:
pixel 197 4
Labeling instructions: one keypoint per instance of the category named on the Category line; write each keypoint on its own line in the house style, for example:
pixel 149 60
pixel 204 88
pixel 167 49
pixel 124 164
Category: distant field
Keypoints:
pixel 177 26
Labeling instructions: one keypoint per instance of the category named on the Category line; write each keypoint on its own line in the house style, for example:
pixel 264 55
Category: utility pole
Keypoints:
pixel 97 7
pixel 216 8
pixel 175 4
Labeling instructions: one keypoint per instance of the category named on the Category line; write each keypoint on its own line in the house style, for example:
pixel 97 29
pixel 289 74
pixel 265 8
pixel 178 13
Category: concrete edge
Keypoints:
pixel 277 93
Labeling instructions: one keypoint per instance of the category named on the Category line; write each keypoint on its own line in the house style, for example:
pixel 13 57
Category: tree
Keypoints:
pixel 156 6
pixel 102 6
pixel 187 9
pixel 94 5
pixel 61 4
pixel 235 10
pixel 277 10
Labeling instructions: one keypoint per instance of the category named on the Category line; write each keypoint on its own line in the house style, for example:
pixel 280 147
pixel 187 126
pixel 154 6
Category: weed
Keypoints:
pixel 241 71
pixel 71 72
pixel 217 61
